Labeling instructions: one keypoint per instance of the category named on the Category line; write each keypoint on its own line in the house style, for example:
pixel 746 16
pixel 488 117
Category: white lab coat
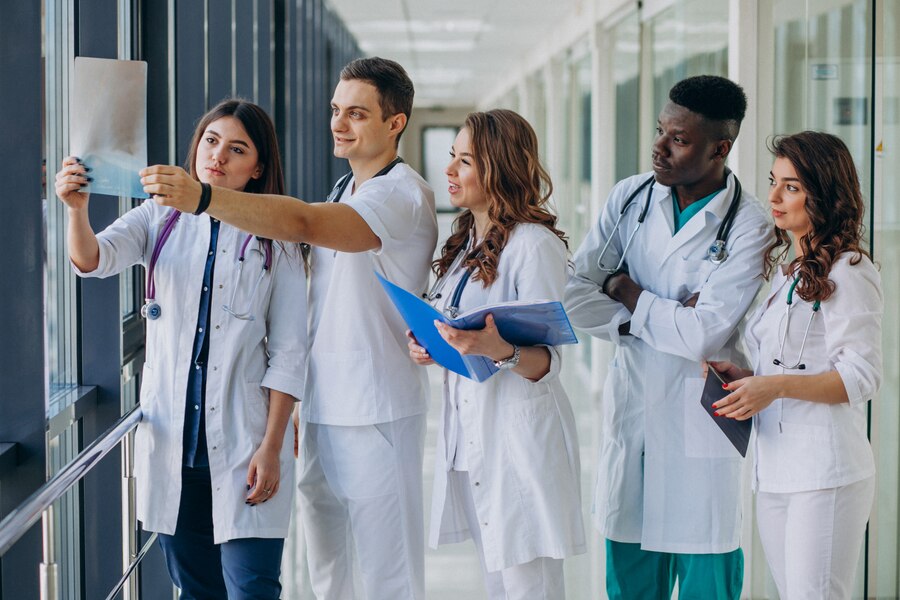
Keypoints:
pixel 521 441
pixel 801 445
pixel 245 358
pixel 668 478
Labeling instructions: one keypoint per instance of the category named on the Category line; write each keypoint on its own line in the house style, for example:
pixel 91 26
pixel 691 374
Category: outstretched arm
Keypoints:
pixel 332 225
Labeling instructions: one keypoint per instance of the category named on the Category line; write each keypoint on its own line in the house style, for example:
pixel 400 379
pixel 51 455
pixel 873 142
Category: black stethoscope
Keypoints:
pixel 716 253
pixel 779 362
pixel 338 190
pixel 151 309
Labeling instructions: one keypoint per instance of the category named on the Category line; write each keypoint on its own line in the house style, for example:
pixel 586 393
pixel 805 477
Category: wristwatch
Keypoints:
pixel 512 361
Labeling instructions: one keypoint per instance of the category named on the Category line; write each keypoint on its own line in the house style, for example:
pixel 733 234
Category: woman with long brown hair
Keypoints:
pixel 815 345
pixel 226 348
pixel 507 465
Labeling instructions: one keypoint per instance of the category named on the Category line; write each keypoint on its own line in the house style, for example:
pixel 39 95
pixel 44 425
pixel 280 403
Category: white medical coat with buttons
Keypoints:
pixel 801 445
pixel 668 478
pixel 245 359
pixel 520 438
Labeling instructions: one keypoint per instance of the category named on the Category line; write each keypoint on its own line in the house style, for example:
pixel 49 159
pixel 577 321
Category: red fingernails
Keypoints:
pixel 724 386
pixel 717 414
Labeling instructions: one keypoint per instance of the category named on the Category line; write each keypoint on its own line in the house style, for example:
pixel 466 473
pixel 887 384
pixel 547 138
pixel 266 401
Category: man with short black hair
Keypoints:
pixel 668 496
pixel 363 414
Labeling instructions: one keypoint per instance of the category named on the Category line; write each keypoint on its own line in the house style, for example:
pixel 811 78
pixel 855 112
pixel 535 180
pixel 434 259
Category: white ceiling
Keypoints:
pixel 454 51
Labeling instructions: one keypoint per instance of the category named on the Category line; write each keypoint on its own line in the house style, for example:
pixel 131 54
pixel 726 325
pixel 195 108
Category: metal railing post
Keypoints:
pixel 130 532
pixel 49 569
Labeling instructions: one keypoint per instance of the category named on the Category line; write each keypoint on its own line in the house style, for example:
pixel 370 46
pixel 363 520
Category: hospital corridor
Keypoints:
pixel 691 146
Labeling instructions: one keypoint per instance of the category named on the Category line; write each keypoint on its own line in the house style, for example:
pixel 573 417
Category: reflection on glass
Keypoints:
pixel 626 76
pixel 690 38
pixel 59 279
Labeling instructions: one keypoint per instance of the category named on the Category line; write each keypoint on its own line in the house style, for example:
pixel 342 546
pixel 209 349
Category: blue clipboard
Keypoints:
pixel 521 323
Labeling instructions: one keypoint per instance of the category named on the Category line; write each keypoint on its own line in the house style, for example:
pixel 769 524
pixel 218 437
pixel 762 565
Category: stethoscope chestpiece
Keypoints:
pixel 717 252
pixel 151 311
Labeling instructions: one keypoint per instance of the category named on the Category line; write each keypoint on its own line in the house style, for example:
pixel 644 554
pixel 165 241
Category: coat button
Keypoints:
pixel 477 483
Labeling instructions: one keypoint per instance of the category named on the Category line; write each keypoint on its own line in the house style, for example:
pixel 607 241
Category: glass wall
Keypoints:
pixel 689 38
pixel 836 70
pixel 626 65
pixel 884 533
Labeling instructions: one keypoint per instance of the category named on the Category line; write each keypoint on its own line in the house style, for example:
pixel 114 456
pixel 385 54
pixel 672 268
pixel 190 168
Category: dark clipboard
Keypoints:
pixel 737 432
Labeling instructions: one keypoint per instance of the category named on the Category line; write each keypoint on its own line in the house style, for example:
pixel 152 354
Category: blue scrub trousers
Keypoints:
pixel 635 574
pixel 240 569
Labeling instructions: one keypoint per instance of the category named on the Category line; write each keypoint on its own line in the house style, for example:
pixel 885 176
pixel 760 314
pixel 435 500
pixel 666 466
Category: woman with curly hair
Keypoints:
pixel 815 345
pixel 507 466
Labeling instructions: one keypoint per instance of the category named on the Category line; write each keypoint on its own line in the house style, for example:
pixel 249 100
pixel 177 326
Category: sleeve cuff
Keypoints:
pixel 851 385
pixel 612 329
pixel 102 265
pixel 371 218
pixel 285 383
pixel 641 313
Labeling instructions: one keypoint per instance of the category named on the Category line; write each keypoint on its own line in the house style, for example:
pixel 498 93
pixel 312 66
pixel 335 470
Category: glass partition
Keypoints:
pixel 690 38
pixel 884 533
pixel 626 40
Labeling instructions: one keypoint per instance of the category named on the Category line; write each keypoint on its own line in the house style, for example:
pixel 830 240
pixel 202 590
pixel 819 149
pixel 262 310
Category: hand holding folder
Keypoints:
pixel 523 323
pixel 737 432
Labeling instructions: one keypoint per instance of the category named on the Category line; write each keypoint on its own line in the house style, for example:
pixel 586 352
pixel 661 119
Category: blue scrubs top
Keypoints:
pixel 194 439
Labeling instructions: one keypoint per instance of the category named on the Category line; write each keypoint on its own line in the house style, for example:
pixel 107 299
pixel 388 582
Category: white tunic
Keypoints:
pixel 519 437
pixel 245 359
pixel 668 479
pixel 801 445
pixel 359 367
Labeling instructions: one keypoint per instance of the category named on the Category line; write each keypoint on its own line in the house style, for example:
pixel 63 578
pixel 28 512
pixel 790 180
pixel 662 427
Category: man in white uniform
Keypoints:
pixel 668 492
pixel 363 426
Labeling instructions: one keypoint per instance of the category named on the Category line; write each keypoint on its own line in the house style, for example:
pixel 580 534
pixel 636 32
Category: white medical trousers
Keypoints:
pixel 362 485
pixel 812 539
pixel 539 579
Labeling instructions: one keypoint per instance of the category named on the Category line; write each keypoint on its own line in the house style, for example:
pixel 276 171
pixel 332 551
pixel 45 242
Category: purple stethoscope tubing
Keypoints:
pixel 151 309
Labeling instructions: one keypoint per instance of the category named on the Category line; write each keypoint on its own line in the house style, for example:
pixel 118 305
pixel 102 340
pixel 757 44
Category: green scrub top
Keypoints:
pixel 682 217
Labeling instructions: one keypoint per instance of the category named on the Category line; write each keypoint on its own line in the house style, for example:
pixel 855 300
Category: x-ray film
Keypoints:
pixel 108 123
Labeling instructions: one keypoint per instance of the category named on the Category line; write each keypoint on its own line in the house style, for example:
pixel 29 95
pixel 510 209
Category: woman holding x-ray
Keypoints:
pixel 815 345
pixel 226 347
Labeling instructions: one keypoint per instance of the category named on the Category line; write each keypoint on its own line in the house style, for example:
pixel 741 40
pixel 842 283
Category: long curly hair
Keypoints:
pixel 834 205
pixel 505 151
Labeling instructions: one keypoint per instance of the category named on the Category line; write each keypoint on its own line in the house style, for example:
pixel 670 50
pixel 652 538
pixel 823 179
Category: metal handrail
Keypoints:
pixel 131 567
pixel 20 520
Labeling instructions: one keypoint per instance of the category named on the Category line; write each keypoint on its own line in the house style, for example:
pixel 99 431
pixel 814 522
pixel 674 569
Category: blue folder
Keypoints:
pixel 522 323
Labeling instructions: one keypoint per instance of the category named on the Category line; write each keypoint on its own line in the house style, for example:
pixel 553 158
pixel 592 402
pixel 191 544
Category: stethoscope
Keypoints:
pixel 151 309
pixel 787 325
pixel 452 309
pixel 338 190
pixel 716 253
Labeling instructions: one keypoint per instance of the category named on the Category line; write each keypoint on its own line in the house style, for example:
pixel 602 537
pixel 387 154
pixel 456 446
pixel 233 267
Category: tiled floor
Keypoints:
pixel 452 572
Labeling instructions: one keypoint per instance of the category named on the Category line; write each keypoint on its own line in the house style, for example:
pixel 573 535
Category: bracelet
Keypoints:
pixel 205 198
